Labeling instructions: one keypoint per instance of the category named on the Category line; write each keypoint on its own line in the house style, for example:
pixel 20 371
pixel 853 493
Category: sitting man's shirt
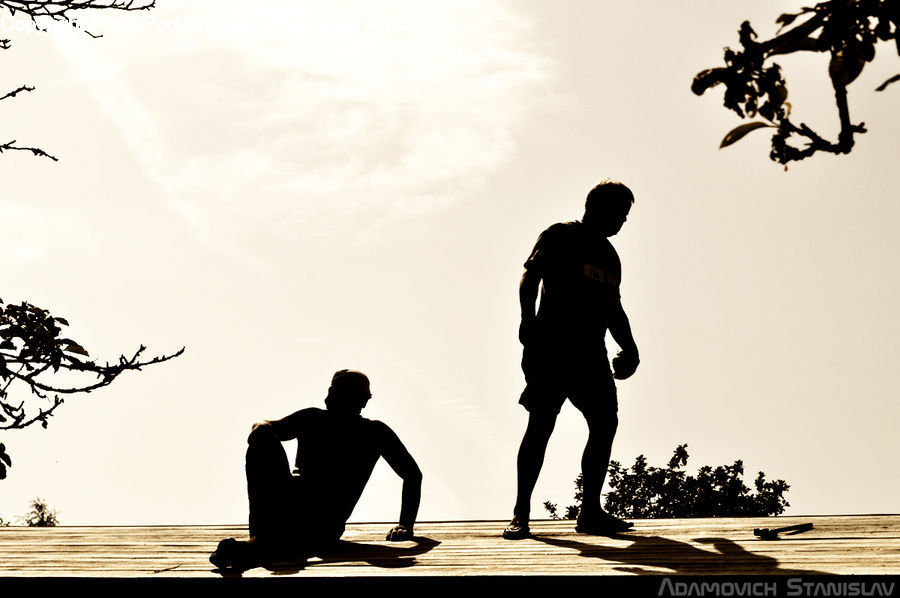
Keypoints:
pixel 580 275
pixel 335 458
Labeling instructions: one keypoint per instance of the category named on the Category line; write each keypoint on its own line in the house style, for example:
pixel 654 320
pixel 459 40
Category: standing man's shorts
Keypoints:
pixel 556 371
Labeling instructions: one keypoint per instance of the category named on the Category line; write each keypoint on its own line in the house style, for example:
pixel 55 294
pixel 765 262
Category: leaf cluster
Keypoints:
pixel 847 30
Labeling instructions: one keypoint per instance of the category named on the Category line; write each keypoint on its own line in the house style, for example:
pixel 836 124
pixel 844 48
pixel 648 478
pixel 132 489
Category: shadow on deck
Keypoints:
pixel 859 545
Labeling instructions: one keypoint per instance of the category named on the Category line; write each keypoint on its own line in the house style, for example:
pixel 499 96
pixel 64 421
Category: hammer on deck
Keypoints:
pixel 772 534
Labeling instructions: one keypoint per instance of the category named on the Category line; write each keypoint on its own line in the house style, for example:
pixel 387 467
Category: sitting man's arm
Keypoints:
pixel 404 466
pixel 282 429
pixel 627 360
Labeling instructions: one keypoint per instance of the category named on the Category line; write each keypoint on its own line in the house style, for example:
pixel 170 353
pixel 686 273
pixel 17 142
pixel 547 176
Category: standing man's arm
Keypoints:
pixel 404 466
pixel 539 261
pixel 528 293
pixel 627 360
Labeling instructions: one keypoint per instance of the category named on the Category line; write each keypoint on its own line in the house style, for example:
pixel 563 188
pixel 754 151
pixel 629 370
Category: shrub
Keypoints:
pixel 647 492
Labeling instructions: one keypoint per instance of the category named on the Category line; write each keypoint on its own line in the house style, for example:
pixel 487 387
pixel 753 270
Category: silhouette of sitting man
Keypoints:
pixel 294 515
pixel 564 351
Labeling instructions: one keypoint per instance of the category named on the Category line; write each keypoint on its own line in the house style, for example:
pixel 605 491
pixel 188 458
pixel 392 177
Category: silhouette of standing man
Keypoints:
pixel 337 448
pixel 564 355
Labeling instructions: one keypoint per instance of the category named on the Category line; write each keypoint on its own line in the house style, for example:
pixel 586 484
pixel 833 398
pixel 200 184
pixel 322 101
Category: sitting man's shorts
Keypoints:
pixel 557 371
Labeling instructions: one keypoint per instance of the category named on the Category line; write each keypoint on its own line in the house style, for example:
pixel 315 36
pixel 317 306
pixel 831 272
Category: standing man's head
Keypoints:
pixel 349 392
pixel 607 207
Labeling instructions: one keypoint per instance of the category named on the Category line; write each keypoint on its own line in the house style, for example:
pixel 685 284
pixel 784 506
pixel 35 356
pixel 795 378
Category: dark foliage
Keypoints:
pixel 31 351
pixel 646 492
pixel 847 30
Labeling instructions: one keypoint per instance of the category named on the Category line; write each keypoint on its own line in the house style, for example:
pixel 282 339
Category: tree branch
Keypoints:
pixel 15 92
pixel 848 30
pixel 59 11
pixel 884 85
pixel 783 44
pixel 31 345
pixel 107 373
pixel 10 146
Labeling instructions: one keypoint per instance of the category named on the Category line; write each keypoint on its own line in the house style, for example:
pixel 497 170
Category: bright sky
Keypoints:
pixel 334 184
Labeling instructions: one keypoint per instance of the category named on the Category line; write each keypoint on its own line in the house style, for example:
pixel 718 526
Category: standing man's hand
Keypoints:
pixel 625 363
pixel 526 330
pixel 400 533
pixel 528 294
pixel 523 332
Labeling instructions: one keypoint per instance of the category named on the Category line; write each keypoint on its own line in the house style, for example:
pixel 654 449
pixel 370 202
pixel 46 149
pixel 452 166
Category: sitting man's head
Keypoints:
pixel 607 207
pixel 349 392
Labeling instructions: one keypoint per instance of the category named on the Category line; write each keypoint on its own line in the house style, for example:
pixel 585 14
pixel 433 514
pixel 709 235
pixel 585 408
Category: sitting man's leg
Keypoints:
pixel 272 492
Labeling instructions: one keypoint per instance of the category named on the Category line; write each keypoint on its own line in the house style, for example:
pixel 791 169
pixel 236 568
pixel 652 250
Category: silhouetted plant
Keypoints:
pixel 64 11
pixel 848 30
pixel 40 515
pixel 646 492
pixel 31 350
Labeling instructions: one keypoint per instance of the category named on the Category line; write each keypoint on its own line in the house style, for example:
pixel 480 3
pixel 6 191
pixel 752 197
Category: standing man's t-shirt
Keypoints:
pixel 580 285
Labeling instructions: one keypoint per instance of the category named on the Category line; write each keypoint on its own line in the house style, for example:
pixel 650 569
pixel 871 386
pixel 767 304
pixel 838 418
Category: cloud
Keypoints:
pixel 310 121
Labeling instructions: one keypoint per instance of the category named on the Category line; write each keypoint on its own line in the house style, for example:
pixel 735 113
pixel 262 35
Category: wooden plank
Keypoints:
pixel 839 544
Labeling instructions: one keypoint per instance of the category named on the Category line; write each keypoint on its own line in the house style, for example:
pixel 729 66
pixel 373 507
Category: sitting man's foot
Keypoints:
pixel 400 533
pixel 517 529
pixel 601 523
pixel 223 554
pixel 233 555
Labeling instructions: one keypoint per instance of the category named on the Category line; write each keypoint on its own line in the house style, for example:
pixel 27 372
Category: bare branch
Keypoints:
pixel 59 11
pixel 15 92
pixel 884 85
pixel 815 143
pixel 20 422
pixel 62 10
pixel 107 373
pixel 10 146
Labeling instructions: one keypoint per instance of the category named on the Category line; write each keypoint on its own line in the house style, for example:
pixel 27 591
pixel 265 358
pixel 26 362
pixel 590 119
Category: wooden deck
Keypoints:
pixel 867 544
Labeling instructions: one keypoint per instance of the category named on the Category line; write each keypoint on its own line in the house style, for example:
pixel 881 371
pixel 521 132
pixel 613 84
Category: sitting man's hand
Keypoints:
pixel 257 429
pixel 400 533
pixel 625 363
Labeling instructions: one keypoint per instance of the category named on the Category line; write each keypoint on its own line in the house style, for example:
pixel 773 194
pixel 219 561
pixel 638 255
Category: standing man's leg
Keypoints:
pixel 531 459
pixel 543 399
pixel 595 460
pixel 599 405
